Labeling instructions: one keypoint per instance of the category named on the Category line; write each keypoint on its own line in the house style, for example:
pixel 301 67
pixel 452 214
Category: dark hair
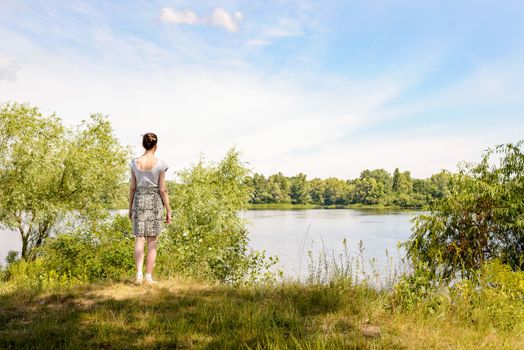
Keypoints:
pixel 149 140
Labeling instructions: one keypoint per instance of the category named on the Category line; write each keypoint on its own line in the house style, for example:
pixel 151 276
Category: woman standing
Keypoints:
pixel 147 200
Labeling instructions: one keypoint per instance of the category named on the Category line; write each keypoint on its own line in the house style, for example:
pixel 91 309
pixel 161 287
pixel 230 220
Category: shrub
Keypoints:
pixel 495 297
pixel 90 253
pixel 481 220
pixel 208 237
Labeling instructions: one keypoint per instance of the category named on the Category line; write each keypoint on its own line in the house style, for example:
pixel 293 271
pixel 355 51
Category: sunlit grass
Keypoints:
pixel 341 305
pixel 185 313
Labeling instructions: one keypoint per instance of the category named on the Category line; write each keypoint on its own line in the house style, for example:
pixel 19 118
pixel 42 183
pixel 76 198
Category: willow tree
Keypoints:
pixel 48 170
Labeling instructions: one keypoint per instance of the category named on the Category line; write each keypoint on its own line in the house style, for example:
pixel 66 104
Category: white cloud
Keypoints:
pixel 238 16
pixel 8 69
pixel 222 18
pixel 258 43
pixel 285 27
pixel 170 15
pixel 219 18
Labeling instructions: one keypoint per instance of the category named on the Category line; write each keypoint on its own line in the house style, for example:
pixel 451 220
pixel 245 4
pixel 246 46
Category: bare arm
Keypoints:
pixel 163 194
pixel 132 190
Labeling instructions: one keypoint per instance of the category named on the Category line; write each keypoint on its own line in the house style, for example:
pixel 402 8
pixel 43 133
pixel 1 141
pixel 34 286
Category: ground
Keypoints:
pixel 185 314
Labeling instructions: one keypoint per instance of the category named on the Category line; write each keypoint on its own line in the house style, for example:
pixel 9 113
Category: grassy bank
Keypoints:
pixel 183 313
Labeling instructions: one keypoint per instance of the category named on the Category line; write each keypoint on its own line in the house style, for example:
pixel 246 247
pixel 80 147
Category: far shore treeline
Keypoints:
pixel 376 188
pixel 373 187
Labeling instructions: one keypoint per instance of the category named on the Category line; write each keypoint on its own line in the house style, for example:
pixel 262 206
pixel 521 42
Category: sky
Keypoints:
pixel 326 88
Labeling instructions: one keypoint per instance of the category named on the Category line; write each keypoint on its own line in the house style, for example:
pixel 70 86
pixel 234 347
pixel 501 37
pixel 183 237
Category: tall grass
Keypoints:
pixel 344 303
pixel 328 266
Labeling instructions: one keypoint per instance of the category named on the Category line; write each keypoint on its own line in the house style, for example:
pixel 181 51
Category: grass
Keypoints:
pixel 183 313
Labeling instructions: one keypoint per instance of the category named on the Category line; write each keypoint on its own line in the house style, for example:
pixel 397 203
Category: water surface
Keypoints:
pixel 290 234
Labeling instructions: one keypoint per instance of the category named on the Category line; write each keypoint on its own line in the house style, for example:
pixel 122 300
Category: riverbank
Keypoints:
pixel 184 313
pixel 288 206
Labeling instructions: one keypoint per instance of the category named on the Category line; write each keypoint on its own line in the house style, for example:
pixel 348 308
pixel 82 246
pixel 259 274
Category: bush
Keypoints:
pixel 481 220
pixel 418 289
pixel 92 253
pixel 208 237
pixel 494 298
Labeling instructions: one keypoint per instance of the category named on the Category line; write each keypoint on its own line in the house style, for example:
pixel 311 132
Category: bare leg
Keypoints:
pixel 139 253
pixel 151 254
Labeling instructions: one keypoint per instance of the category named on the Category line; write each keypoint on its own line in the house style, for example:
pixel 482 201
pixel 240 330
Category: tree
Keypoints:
pixel 368 191
pixel 381 176
pixel 482 218
pixel 47 171
pixel 316 191
pixel 299 190
pixel 336 191
pixel 440 183
pixel 260 191
pixel 402 182
pixel 279 188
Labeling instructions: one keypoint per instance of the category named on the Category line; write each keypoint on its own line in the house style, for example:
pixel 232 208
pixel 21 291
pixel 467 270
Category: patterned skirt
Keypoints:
pixel 147 211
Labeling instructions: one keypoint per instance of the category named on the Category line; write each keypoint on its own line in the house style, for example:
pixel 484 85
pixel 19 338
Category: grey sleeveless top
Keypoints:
pixel 148 178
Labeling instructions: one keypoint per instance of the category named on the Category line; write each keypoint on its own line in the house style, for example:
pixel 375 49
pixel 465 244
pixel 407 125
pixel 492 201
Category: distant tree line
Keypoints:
pixel 373 187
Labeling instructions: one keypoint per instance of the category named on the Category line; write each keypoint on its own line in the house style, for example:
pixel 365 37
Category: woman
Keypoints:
pixel 147 200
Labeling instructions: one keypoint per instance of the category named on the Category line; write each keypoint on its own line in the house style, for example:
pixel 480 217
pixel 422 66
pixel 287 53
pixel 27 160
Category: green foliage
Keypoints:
pixel 336 191
pixel 299 190
pixel 208 238
pixel 495 297
pixel 482 219
pixel 368 191
pixel 92 253
pixel 47 170
pixel 85 254
pixel 12 257
pixel 402 182
pixel 381 176
pixel 373 187
pixel 418 289
pixel 317 188
pixel 279 188
pixel 260 191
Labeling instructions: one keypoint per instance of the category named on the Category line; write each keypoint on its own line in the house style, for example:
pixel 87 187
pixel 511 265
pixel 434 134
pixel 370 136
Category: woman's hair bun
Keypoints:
pixel 149 140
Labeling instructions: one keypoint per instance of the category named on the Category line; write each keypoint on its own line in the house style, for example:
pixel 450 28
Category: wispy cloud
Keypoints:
pixel 8 69
pixel 170 15
pixel 219 18
pixel 222 18
pixel 285 27
pixel 280 29
pixel 258 43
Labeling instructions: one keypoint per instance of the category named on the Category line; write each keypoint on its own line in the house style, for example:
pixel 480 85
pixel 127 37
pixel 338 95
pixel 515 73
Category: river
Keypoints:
pixel 290 234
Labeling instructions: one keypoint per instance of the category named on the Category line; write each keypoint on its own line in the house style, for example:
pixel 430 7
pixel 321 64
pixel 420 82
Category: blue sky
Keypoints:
pixel 327 88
